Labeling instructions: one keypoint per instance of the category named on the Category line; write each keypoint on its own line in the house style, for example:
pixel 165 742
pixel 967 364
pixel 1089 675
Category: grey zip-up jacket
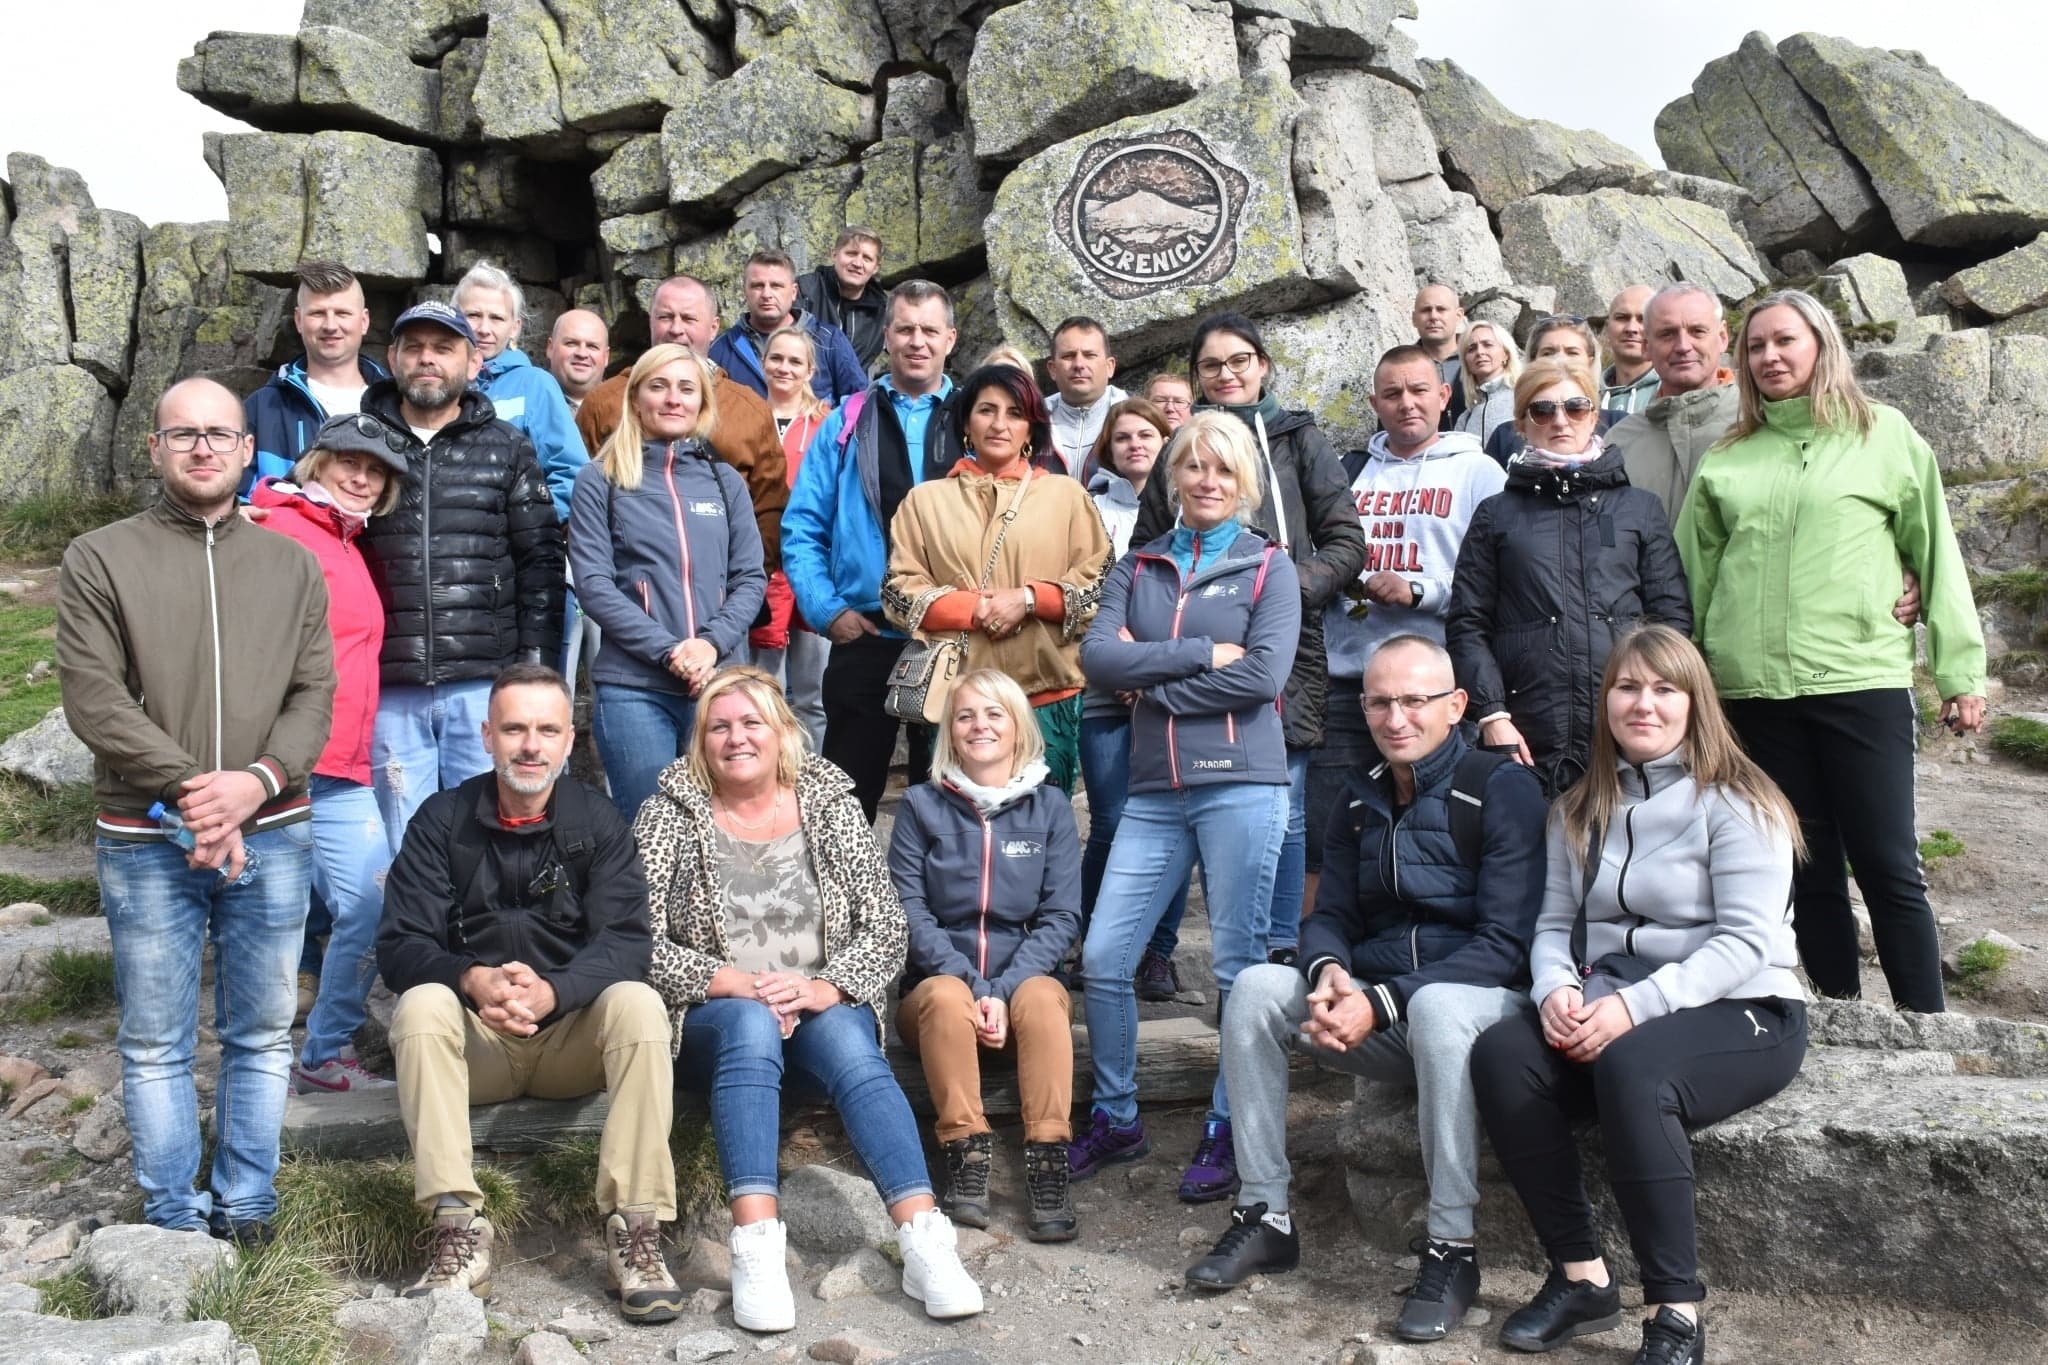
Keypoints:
pixel 678 558
pixel 991 899
pixel 1193 724
pixel 1662 445
pixel 1690 880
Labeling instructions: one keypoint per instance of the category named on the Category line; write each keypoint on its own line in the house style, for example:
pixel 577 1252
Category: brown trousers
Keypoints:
pixel 938 1023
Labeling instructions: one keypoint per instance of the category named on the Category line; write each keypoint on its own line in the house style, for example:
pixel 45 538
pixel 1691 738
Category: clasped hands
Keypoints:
pixel 1002 612
pixel 694 661
pixel 1340 1016
pixel 792 995
pixel 511 999
pixel 1579 1030
pixel 214 808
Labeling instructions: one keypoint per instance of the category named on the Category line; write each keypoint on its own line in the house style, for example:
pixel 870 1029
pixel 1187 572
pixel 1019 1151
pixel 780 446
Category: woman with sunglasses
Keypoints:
pixel 1553 569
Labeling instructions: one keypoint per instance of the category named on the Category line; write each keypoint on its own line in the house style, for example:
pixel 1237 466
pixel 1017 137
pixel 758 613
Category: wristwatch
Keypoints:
pixel 1415 587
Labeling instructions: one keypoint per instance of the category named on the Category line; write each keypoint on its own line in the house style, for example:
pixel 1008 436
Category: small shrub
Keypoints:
pixel 79 1104
pixel 74 982
pixel 71 1038
pixel 2021 738
pixel 40 525
pixel 563 1180
pixel 2025 589
pixel 1986 473
pixel 70 1295
pixel 361 1216
pixel 1978 963
pixel 31 814
pixel 65 896
pixel 281 1300
pixel 1938 847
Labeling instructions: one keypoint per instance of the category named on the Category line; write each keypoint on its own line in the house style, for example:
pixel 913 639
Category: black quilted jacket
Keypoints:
pixel 469 564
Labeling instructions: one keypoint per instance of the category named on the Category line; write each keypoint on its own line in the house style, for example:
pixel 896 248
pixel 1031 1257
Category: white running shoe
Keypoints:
pixel 932 1273
pixel 761 1299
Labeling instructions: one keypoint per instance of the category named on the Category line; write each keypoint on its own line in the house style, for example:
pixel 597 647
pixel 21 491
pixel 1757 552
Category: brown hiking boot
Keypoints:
pixel 458 1254
pixel 639 1276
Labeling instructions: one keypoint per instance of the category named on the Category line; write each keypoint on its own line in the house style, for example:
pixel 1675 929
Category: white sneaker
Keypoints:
pixel 761 1300
pixel 932 1273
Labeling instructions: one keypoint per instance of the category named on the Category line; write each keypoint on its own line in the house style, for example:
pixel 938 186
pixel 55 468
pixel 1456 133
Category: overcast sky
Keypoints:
pixel 93 85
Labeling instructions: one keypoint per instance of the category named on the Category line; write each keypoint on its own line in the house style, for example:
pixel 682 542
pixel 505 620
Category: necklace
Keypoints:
pixel 774 814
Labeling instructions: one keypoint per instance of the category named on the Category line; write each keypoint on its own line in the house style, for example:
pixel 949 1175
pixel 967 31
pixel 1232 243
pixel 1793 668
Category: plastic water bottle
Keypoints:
pixel 173 826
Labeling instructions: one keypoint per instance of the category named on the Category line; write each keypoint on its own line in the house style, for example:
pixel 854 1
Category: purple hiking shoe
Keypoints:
pixel 1105 1144
pixel 1213 1173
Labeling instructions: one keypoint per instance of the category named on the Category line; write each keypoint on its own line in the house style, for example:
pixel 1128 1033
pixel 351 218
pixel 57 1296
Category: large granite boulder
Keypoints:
pixel 251 76
pixel 496 189
pixel 2016 282
pixel 1045 70
pixel 555 71
pixel 1749 121
pixel 1323 360
pixel 1978 399
pixel 951 204
pixel 47 753
pixel 1454 244
pixel 1500 157
pixel 1352 30
pixel 346 79
pixel 1403 147
pixel 1352 235
pixel 56 429
pixel 1951 171
pixel 118 1341
pixel 771 116
pixel 1870 288
pixel 845 41
pixel 1591 246
pixel 633 179
pixel 348 197
pixel 422 29
pixel 69 274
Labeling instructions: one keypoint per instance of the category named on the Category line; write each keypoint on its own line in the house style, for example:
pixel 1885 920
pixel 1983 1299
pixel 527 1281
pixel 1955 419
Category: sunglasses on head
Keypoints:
pixel 1543 409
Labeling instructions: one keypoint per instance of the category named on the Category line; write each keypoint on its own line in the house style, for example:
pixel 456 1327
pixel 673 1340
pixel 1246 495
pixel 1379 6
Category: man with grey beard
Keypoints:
pixel 468 564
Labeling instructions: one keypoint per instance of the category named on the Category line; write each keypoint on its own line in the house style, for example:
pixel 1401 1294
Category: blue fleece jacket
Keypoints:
pixel 836 378
pixel 283 416
pixel 529 398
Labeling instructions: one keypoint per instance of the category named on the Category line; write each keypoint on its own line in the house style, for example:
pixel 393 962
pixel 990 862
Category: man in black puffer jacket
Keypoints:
pixel 469 564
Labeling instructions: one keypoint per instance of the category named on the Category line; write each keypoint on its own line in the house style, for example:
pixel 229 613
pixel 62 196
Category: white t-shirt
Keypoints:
pixel 426 434
pixel 337 401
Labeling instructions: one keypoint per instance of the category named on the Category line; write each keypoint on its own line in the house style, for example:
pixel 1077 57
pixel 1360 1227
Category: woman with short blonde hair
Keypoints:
pixel 1489 365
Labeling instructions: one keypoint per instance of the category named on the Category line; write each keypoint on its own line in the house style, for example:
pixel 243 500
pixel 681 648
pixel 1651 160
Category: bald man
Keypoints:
pixel 579 348
pixel 218 728
pixel 1628 383
pixel 1439 317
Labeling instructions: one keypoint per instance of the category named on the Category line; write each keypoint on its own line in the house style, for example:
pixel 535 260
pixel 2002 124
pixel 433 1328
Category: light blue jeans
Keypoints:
pixel 427 738
pixel 639 731
pixel 351 853
pixel 1235 828
pixel 161 915
pixel 1290 874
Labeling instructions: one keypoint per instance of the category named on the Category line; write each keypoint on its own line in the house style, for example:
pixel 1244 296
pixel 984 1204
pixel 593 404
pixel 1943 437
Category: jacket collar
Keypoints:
pixel 284 496
pixel 168 513
pixel 486 812
pixel 1790 416
pixel 1596 475
pixel 1724 378
pixel 1432 772
pixel 380 400
pixel 1641 781
pixel 511 358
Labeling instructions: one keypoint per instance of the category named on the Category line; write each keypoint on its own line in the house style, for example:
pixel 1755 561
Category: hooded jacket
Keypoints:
pixel 1494 409
pixel 1195 725
pixel 469 563
pixel 1414 512
pixel 864 320
pixel 1319 527
pixel 1631 398
pixel 836 377
pixel 993 899
pixel 1074 429
pixel 529 398
pixel 1552 572
pixel 675 559
pixel 1399 910
pixel 355 618
pixel 1662 446
pixel 1691 881
pixel 283 416
pixel 1793 540
pixel 187 647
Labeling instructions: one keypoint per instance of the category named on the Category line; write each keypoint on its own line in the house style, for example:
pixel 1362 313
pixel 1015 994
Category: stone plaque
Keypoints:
pixel 1151 212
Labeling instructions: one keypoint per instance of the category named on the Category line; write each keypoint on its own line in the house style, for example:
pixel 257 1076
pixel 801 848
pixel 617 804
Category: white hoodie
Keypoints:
pixel 1074 429
pixel 1414 513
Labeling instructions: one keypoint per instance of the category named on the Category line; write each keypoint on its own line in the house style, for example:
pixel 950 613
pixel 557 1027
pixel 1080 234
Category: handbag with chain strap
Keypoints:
pixel 921 683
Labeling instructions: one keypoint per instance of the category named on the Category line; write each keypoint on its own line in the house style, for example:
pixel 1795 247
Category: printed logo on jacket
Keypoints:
pixel 1385 512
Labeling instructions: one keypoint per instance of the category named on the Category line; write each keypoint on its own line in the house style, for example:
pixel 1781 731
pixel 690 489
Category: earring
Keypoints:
pixel 1027 452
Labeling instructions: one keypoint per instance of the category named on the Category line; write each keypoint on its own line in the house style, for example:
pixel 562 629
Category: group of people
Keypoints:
pixel 1414 713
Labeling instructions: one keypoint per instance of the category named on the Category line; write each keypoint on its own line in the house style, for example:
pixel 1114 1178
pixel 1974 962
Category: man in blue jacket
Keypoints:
pixel 865 459
pixel 770 285
pixel 1418 943
pixel 327 381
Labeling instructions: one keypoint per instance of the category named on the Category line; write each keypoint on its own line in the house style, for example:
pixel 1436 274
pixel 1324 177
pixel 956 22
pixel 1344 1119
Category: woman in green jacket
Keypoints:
pixel 1794 534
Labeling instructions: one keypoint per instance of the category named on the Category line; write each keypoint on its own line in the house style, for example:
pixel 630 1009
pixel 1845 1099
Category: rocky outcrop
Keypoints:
pixel 118 1341
pixel 1500 158
pixel 2016 282
pixel 47 753
pixel 1978 399
pixel 770 117
pixel 295 196
pixel 1591 246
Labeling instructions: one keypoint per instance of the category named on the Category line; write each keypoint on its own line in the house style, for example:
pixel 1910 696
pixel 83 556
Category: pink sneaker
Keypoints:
pixel 337 1074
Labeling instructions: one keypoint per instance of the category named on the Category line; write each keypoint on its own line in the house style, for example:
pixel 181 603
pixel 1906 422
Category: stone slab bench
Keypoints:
pixel 1909 1159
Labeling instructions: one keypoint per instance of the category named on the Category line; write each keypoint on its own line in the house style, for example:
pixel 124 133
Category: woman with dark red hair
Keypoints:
pixel 1005 555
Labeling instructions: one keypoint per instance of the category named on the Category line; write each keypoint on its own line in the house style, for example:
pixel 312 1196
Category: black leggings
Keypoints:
pixel 1651 1085
pixel 1845 762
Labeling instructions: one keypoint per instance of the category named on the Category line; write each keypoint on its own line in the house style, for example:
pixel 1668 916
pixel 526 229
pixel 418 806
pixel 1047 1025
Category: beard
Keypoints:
pixel 429 391
pixel 529 786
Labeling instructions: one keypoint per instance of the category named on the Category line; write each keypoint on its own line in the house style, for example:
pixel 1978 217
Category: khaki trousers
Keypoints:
pixel 938 1023
pixel 448 1060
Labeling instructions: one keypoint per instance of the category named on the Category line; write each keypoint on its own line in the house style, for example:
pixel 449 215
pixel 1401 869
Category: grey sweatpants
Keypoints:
pixel 1431 1050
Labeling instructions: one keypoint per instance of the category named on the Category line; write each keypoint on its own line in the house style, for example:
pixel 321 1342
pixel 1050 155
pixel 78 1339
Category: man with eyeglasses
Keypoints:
pixel 1419 941
pixel 1081 367
pixel 327 381
pixel 1173 396
pixel 515 934
pixel 196 665
pixel 469 563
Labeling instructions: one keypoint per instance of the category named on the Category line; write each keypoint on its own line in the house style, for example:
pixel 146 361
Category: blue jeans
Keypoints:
pixel 351 853
pixel 427 738
pixel 639 732
pixel 160 916
pixel 1106 777
pixel 1236 828
pixel 1290 874
pixel 733 1050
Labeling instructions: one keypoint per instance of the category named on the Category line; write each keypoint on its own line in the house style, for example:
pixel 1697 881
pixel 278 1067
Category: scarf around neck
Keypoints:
pixel 989 800
pixel 1540 458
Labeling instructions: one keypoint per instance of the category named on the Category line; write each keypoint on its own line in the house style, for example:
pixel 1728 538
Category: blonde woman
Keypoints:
pixel 1489 365
pixel 786 645
pixel 667 560
pixel 1664 975
pixel 1795 533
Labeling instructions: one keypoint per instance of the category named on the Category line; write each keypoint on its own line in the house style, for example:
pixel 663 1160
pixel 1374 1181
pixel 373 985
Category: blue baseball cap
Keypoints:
pixel 438 313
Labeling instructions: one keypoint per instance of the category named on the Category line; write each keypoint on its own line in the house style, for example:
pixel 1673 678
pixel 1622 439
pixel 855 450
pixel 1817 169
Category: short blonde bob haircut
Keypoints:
pixel 792 742
pixel 1225 438
pixel 1512 357
pixel 621 458
pixel 1002 689
pixel 310 465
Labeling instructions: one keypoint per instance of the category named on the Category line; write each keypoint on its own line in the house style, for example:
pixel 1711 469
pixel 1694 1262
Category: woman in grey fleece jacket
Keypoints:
pixel 1664 977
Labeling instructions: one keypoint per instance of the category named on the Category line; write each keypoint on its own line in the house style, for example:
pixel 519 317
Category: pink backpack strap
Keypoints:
pixel 853 407
pixel 1265 562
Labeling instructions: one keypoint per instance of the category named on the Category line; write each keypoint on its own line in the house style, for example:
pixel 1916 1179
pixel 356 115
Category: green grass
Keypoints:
pixel 29 814
pixel 28 636
pixel 66 896
pixel 1927 698
pixel 79 1104
pixel 2021 738
pixel 71 1038
pixel 74 982
pixel 563 1180
pixel 1987 473
pixel 70 1295
pixel 2019 663
pixel 1978 963
pixel 40 526
pixel 2026 589
pixel 2025 499
pixel 280 1300
pixel 360 1214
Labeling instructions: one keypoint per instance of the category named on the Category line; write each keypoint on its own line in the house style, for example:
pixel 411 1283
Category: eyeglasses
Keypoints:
pixel 1571 318
pixel 185 440
pixel 1543 409
pixel 1236 364
pixel 1410 702
pixel 1174 404
pixel 369 426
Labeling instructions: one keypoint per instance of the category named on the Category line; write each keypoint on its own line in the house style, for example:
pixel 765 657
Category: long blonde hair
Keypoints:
pixel 1838 400
pixel 792 740
pixel 1710 751
pixel 1000 688
pixel 621 457
pixel 807 401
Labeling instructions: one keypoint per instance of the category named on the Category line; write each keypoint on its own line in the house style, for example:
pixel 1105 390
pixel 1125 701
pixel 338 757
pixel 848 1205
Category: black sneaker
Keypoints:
pixel 249 1234
pixel 1668 1339
pixel 1156 980
pixel 1283 957
pixel 1561 1310
pixel 1444 1288
pixel 1250 1246
pixel 1050 1211
pixel 967 1165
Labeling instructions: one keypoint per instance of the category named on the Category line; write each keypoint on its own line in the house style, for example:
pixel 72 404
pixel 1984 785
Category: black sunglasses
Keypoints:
pixel 1573 318
pixel 1543 409
pixel 369 426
